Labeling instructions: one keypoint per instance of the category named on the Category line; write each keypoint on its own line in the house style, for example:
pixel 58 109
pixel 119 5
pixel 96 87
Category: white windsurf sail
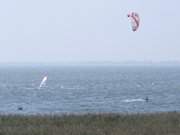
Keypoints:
pixel 43 82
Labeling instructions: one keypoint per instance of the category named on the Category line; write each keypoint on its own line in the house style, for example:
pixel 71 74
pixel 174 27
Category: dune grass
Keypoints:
pixel 92 124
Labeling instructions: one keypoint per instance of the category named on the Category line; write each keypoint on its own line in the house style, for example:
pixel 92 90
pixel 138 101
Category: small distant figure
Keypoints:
pixel 147 99
pixel 20 108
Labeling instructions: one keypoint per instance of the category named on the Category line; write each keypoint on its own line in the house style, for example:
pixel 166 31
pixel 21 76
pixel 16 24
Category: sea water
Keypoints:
pixel 89 89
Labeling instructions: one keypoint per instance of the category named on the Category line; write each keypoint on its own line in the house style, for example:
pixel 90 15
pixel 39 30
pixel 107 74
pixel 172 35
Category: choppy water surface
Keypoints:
pixel 89 89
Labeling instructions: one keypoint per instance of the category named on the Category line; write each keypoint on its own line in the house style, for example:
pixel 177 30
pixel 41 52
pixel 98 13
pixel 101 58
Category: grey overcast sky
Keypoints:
pixel 88 30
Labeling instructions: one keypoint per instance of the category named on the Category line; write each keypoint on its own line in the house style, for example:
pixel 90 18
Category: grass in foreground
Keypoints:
pixel 92 124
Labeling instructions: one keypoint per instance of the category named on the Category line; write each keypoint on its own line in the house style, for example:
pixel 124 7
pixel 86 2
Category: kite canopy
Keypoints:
pixel 134 19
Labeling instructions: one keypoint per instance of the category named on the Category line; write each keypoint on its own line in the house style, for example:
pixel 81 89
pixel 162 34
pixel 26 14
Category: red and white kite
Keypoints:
pixel 134 19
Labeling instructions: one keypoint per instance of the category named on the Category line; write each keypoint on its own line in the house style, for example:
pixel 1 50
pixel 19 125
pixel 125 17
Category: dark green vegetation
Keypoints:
pixel 92 124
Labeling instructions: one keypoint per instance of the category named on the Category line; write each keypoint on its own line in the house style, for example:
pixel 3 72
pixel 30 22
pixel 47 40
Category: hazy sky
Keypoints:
pixel 88 30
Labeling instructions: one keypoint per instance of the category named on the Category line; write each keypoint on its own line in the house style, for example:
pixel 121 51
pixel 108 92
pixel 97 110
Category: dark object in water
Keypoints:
pixel 147 99
pixel 20 108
